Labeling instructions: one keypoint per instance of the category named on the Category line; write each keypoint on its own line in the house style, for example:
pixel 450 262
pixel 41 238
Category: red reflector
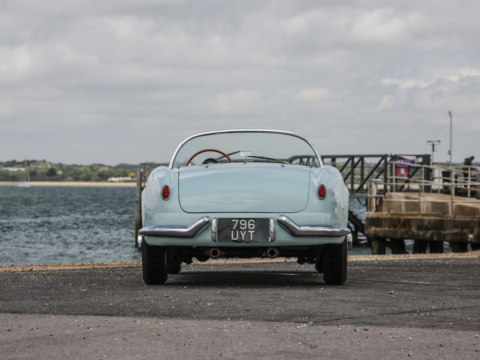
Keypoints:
pixel 322 192
pixel 165 192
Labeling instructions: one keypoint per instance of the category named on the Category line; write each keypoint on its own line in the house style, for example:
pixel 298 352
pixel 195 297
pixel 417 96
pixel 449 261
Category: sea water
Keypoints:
pixel 45 225
pixel 63 224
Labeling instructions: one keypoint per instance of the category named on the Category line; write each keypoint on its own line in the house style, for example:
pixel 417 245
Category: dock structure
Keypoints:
pixel 430 213
pixel 407 198
pixel 359 169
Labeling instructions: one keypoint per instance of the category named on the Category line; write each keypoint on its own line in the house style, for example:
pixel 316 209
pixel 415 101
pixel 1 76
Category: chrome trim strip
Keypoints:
pixel 312 230
pixel 272 230
pixel 181 232
pixel 320 160
pixel 214 229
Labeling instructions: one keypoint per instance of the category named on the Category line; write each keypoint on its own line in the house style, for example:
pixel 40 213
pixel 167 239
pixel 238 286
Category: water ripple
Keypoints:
pixel 43 225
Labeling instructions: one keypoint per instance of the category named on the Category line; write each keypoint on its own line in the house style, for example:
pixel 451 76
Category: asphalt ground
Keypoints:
pixel 397 309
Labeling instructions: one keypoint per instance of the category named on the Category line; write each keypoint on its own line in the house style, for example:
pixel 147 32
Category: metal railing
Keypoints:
pixel 357 170
pixel 467 182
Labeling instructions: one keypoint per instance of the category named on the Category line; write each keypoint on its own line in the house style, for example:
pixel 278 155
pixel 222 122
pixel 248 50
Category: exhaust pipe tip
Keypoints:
pixel 272 253
pixel 214 253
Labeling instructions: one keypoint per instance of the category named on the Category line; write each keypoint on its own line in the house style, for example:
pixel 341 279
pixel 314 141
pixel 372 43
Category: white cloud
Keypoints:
pixel 313 95
pixel 6 109
pixel 405 83
pixel 236 101
pixel 15 63
pixel 150 72
pixel 383 27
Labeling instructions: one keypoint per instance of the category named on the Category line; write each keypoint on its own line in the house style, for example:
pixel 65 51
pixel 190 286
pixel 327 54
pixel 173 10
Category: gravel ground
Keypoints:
pixel 465 255
pixel 417 308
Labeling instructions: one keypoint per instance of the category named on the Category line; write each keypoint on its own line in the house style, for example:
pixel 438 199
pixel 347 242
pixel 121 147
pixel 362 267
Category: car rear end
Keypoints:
pixel 245 210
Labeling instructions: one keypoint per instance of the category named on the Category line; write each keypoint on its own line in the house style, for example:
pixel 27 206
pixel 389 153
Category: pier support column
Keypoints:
pixel 398 246
pixel 459 247
pixel 420 247
pixel 436 247
pixel 379 246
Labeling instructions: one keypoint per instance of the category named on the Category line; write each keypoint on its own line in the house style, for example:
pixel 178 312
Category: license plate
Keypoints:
pixel 243 230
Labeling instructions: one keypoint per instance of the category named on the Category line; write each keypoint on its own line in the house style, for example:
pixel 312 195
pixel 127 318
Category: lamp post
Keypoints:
pixel 433 143
pixel 450 151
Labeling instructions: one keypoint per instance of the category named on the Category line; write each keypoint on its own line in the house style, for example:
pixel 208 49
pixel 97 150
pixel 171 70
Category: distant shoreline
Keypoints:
pixel 71 183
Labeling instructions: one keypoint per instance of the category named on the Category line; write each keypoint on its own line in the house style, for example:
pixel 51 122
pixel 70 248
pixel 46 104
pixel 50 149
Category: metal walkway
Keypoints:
pixel 357 170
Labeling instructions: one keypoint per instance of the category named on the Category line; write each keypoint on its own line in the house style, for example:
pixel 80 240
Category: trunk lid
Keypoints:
pixel 244 188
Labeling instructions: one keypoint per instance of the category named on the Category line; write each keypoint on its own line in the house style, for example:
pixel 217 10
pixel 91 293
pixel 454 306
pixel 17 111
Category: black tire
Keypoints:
pixel 335 263
pixel 154 264
pixel 174 266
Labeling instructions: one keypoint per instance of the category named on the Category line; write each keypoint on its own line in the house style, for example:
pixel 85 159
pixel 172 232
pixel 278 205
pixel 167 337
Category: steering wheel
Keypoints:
pixel 205 150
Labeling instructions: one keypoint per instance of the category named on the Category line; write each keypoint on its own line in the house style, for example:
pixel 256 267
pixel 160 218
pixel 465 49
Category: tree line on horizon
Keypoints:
pixel 45 171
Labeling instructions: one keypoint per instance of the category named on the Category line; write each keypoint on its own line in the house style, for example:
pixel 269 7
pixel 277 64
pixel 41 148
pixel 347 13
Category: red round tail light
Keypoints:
pixel 165 192
pixel 322 192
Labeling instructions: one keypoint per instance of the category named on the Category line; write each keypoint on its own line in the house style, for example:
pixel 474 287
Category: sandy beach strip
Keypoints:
pixel 82 266
pixel 72 183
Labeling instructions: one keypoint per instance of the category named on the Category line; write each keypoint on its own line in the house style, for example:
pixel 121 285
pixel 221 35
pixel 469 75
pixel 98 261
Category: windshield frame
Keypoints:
pixel 320 160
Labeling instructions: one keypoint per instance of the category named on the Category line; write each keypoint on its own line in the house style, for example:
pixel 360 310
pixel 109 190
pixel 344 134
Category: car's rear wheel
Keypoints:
pixel 154 264
pixel 335 263
pixel 174 266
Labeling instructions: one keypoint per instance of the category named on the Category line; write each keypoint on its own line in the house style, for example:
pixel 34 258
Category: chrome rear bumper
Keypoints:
pixel 192 230
pixel 312 230
pixel 181 232
pixel 328 231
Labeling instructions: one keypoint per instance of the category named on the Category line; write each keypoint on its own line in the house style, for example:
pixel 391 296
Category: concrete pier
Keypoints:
pixel 428 218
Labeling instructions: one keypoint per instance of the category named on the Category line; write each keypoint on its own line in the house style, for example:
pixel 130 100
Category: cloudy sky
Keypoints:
pixel 126 81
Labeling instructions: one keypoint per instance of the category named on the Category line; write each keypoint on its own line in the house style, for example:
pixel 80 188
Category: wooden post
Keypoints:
pixel 372 196
pixel 394 174
pixel 362 173
pixel 420 200
pixel 379 246
pixel 385 175
pixel 452 190
pixel 427 173
pixel 436 247
pixel 398 246
pixel 468 184
pixel 459 247
pixel 420 247
pixel 138 206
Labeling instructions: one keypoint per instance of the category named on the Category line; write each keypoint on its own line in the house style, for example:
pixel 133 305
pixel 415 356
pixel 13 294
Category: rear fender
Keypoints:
pixel 152 202
pixel 333 210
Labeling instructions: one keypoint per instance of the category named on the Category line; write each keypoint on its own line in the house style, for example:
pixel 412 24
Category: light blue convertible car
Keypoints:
pixel 245 194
